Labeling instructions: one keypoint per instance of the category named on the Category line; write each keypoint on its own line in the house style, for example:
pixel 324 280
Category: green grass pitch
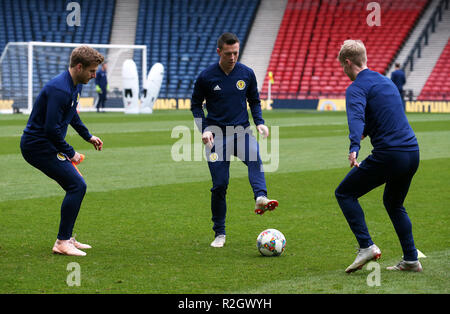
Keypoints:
pixel 148 217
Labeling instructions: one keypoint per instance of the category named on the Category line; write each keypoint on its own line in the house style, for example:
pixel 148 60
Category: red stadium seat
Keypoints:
pixel 312 31
pixel 437 86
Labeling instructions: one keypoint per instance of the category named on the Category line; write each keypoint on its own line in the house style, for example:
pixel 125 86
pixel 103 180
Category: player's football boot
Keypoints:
pixel 372 253
pixel 79 245
pixel 263 204
pixel 407 266
pixel 219 241
pixel 66 247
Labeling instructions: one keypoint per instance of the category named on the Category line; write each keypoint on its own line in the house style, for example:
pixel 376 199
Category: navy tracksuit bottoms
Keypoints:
pixel 60 169
pixel 244 146
pixel 396 169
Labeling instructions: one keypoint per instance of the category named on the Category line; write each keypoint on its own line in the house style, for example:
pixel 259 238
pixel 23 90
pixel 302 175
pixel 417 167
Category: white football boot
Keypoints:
pixel 263 204
pixel 407 266
pixel 79 245
pixel 219 241
pixel 372 253
pixel 66 247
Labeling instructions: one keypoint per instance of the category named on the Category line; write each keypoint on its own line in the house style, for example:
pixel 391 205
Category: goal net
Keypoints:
pixel 25 67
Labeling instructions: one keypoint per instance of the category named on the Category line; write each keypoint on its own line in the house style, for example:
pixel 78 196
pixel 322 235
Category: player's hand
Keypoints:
pixel 76 159
pixel 263 130
pixel 352 159
pixel 98 144
pixel 208 138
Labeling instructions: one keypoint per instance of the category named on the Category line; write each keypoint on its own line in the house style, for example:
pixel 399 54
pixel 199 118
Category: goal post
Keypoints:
pixel 25 67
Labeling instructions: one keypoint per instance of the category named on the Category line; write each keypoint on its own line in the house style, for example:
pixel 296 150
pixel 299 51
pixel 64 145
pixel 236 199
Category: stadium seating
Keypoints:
pixel 437 86
pixel 182 35
pixel 304 59
pixel 37 20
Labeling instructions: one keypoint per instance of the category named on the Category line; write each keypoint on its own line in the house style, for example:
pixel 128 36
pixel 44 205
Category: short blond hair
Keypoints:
pixel 355 51
pixel 85 55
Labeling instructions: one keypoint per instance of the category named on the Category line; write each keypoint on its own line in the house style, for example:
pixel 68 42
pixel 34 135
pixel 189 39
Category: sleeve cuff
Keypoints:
pixel 70 153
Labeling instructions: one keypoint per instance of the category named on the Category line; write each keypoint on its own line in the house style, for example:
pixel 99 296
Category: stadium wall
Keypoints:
pixel 87 104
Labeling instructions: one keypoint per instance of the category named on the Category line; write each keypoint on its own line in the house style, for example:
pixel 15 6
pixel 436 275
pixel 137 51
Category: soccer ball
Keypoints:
pixel 271 242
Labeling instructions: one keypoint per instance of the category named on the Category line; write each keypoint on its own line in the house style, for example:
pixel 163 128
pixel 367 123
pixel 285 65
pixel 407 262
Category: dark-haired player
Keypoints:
pixel 227 86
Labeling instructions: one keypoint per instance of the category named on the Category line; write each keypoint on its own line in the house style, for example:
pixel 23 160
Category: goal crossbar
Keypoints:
pixel 32 44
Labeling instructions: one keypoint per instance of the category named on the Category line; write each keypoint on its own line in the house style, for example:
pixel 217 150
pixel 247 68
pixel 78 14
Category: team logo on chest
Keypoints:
pixel 240 84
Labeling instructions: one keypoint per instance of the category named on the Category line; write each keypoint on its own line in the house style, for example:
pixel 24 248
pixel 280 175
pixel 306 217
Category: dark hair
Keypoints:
pixel 227 38
pixel 397 65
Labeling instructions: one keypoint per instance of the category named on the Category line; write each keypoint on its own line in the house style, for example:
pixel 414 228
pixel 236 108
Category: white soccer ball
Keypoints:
pixel 271 242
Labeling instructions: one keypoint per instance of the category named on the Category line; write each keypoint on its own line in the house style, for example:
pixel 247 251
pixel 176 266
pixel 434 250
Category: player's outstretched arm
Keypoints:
pixel 76 158
pixel 352 158
pixel 263 130
pixel 208 138
pixel 97 142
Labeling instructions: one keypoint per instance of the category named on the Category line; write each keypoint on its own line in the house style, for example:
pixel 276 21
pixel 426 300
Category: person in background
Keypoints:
pixel 399 79
pixel 101 86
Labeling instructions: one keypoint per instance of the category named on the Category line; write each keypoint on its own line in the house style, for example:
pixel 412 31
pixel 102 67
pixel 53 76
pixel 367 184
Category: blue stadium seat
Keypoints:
pixel 182 35
pixel 45 20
